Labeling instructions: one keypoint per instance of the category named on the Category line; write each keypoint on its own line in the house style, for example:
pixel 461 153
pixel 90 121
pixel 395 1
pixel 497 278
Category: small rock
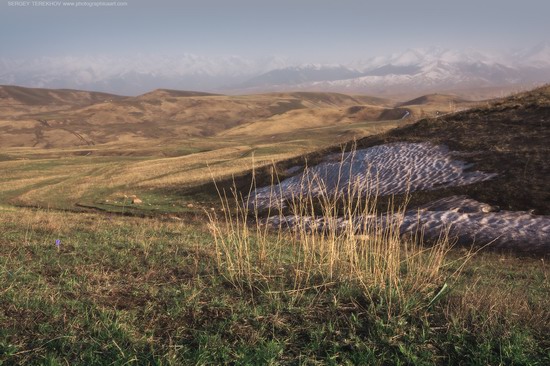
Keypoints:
pixel 190 205
pixel 136 201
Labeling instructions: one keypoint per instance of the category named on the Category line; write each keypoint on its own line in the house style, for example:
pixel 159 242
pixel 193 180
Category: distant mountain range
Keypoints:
pixel 421 70
pixel 418 70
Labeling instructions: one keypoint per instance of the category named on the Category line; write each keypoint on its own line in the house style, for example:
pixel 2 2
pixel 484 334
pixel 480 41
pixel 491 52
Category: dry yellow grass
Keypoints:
pixel 48 177
pixel 170 116
pixel 252 253
pixel 56 156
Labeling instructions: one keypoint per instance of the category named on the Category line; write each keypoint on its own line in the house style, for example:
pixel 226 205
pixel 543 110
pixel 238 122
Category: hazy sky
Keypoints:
pixel 305 30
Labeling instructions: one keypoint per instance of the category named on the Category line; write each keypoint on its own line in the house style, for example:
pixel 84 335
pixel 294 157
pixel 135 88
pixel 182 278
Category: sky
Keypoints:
pixel 323 31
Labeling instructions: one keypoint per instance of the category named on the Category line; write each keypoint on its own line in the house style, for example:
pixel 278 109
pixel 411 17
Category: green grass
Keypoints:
pixel 124 290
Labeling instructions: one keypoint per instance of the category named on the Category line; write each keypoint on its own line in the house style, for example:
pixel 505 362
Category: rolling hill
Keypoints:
pixel 17 100
pixel 66 118
pixel 70 149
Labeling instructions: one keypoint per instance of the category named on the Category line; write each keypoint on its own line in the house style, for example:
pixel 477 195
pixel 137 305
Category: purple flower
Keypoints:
pixel 57 243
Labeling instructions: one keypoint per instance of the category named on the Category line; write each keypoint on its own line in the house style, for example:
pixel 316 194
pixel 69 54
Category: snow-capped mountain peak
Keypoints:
pixel 429 69
pixel 417 69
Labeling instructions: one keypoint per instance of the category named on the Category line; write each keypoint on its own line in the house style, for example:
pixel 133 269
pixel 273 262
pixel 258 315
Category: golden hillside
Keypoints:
pixel 63 118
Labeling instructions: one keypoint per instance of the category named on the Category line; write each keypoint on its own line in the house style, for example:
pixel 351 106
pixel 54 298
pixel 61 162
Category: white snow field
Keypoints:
pixel 400 168
pixel 464 220
pixel 380 170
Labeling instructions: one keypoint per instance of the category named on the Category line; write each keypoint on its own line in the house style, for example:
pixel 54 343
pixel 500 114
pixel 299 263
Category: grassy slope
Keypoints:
pixel 161 143
pixel 143 291
pixel 54 98
pixel 16 101
pixel 30 174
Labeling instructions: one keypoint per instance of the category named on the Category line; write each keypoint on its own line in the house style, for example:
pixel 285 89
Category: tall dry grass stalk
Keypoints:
pixel 321 238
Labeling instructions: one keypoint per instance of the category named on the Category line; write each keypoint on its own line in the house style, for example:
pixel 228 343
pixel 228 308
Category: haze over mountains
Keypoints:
pixel 421 70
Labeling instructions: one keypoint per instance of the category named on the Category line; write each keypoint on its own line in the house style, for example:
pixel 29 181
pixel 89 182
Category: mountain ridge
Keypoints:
pixel 422 70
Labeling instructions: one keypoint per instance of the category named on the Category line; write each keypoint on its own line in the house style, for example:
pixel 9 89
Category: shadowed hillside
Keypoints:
pixel 438 99
pixel 506 136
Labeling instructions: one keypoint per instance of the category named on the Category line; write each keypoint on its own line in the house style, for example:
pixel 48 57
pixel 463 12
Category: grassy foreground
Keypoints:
pixel 122 290
pixel 175 288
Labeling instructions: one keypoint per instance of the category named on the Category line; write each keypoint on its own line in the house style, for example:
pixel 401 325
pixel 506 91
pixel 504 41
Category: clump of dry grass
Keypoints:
pixel 330 243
